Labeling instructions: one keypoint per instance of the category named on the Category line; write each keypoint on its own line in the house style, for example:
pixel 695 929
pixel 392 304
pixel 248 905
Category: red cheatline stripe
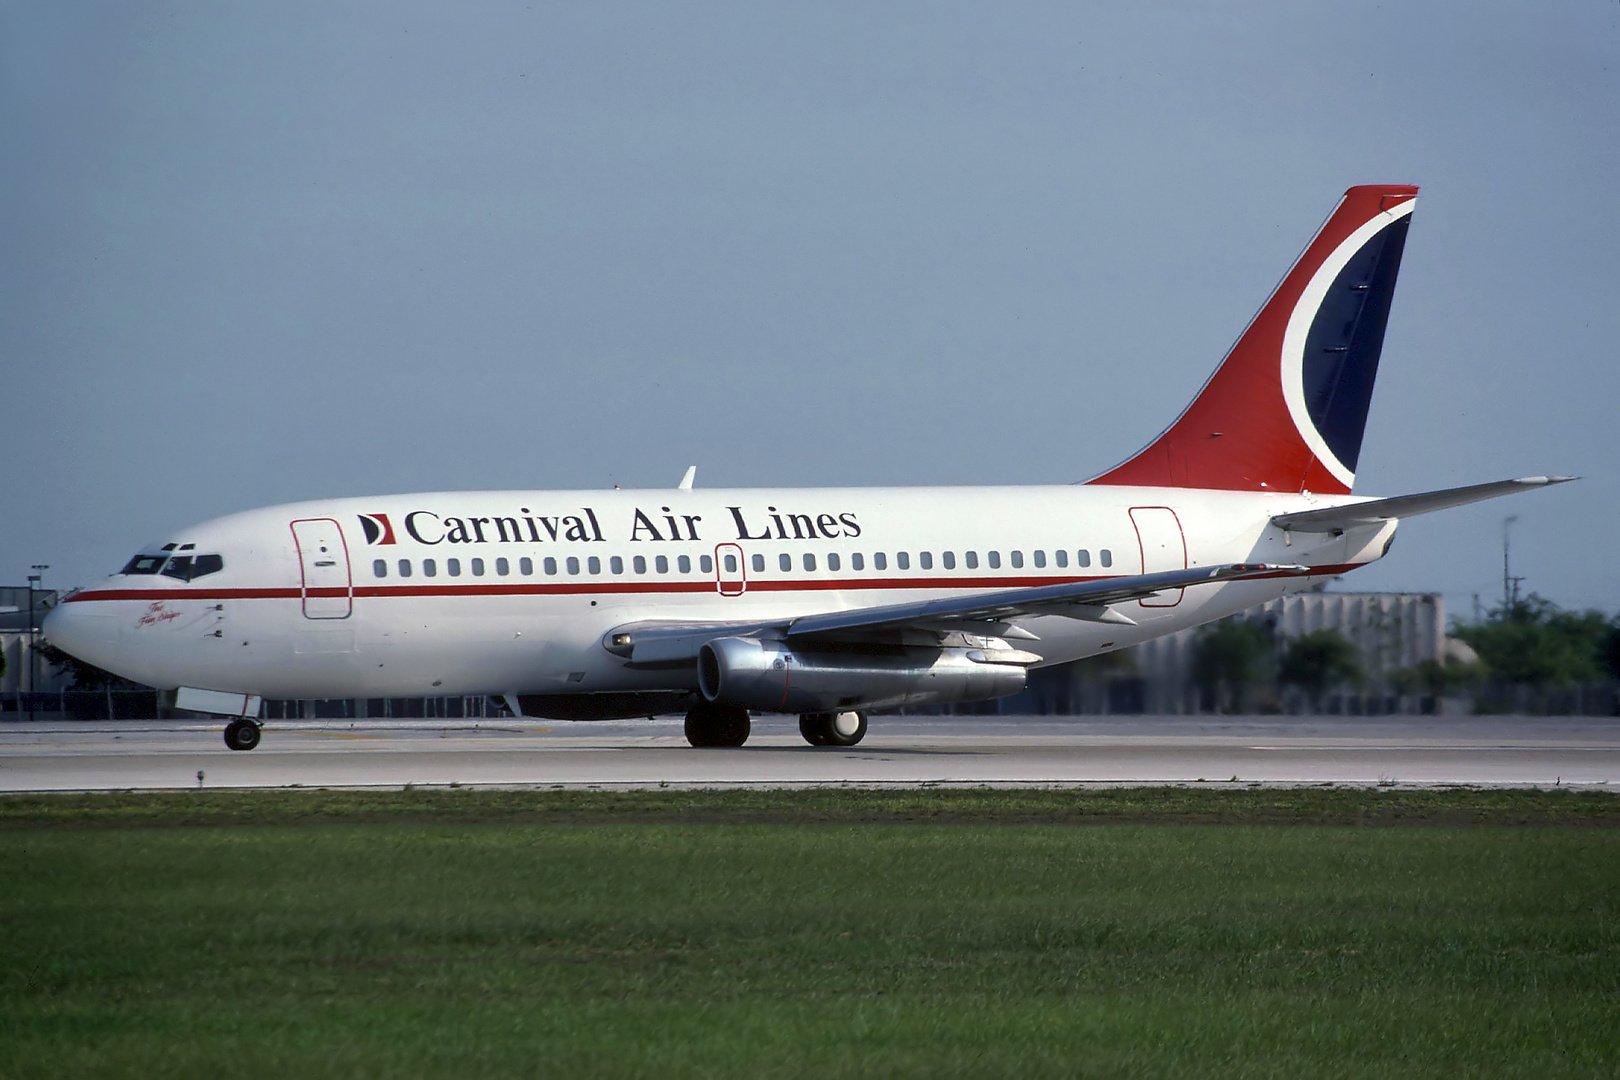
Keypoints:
pixel 598 586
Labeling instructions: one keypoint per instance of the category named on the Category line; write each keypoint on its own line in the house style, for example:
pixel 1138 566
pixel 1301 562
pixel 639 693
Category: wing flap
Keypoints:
pixel 1081 599
pixel 657 643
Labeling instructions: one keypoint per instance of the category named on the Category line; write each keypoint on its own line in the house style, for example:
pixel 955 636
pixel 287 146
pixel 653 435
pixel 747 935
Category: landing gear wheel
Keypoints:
pixel 708 724
pixel 833 729
pixel 241 734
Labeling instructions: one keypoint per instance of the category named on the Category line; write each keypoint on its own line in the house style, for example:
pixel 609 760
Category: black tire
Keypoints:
pixel 708 724
pixel 833 729
pixel 241 735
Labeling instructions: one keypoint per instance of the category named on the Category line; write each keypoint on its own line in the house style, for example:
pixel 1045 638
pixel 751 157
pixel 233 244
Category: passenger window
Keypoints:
pixel 616 564
pixel 430 568
pixel 478 567
pixel 404 568
pixel 502 567
pixel 925 560
pixel 683 563
pixel 1017 558
pixel 809 561
pixel 880 561
pixel 1062 557
pixel 785 561
pixel 573 564
pixel 205 565
pixel 1105 557
pixel 1083 557
pixel 661 564
pixel 144 564
pixel 452 567
pixel 379 568
pixel 593 564
pixel 832 560
pixel 1040 560
pixel 902 560
pixel 705 564
pixel 179 568
pixel 731 563
pixel 948 559
pixel 759 563
pixel 994 558
pixel 526 567
pixel 549 566
pixel 857 561
pixel 971 559
pixel 640 564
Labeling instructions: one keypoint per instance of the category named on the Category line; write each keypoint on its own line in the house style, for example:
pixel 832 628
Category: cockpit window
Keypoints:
pixel 144 564
pixel 192 567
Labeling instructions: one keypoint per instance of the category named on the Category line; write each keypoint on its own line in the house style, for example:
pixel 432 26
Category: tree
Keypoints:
pixel 1229 657
pixel 1611 650
pixel 1318 662
pixel 1433 677
pixel 1535 641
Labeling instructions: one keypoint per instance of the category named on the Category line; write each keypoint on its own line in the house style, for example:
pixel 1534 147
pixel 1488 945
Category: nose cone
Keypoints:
pixel 84 634
pixel 61 629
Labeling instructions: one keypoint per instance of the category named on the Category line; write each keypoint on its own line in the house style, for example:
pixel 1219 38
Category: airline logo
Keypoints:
pixel 378 529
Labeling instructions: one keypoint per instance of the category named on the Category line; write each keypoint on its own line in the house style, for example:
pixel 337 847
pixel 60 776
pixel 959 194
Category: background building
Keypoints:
pixel 21 610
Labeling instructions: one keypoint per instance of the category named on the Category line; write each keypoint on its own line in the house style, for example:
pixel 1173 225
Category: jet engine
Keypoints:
pixel 773 676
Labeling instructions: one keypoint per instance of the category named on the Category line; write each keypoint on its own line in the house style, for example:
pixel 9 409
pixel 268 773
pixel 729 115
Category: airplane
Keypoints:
pixel 829 603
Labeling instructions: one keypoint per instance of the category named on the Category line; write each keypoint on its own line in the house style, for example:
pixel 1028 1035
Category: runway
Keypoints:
pixel 898 752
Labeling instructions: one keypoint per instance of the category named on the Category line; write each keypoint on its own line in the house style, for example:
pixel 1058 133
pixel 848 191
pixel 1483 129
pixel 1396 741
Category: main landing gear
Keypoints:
pixel 709 724
pixel 241 734
pixel 833 729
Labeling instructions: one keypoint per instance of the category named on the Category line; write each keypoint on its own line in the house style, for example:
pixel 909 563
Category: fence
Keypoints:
pixel 148 705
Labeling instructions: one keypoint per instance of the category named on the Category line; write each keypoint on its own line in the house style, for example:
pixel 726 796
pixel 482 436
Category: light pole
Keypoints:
pixel 1507 579
pixel 33 635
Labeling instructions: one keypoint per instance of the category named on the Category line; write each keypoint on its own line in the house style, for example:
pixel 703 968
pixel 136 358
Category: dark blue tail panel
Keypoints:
pixel 1345 340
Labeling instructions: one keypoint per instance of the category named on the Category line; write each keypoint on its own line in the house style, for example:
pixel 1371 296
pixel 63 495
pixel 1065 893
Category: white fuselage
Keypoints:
pixel 511 592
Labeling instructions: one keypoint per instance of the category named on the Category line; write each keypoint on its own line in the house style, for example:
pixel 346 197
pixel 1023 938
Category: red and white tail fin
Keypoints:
pixel 1286 409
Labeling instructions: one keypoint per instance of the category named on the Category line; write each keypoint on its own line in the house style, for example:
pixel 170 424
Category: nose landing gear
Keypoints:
pixel 242 734
pixel 833 729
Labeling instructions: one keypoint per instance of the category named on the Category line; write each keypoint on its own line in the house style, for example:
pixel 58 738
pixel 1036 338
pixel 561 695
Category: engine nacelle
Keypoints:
pixel 772 676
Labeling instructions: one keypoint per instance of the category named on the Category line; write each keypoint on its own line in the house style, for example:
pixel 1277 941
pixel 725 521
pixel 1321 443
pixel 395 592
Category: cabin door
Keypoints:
pixel 327 589
pixel 1158 532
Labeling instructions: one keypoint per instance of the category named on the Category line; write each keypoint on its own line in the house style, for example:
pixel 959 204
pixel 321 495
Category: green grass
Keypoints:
pixel 822 933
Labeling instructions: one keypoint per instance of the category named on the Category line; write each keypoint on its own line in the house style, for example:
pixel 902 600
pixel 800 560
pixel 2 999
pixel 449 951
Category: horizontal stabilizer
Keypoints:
pixel 1373 511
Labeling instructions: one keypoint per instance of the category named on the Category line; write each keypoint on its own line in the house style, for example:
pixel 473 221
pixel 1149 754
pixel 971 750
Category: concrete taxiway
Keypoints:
pixel 899 751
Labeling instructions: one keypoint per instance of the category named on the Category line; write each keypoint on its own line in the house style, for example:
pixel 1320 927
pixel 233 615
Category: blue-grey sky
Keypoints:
pixel 252 253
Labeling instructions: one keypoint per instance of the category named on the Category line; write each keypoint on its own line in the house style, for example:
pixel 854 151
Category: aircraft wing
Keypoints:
pixel 1339 518
pixel 664 643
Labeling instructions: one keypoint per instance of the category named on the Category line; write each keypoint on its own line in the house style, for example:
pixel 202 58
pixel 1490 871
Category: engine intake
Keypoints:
pixel 771 676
